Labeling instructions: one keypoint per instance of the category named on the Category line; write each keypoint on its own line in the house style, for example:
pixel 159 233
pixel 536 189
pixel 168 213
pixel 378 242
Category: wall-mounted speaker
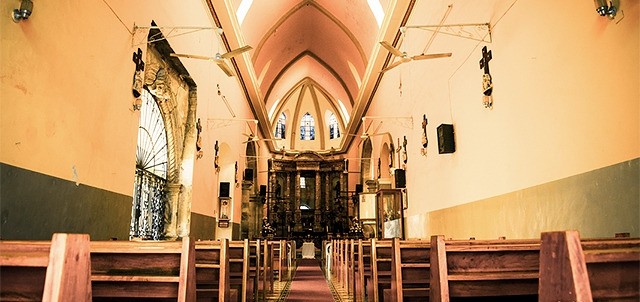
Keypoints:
pixel 358 188
pixel 263 190
pixel 248 174
pixel 224 189
pixel 446 142
pixel 401 181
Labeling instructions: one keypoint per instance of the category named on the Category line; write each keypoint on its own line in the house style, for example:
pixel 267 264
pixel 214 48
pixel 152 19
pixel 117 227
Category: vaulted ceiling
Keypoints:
pixel 325 45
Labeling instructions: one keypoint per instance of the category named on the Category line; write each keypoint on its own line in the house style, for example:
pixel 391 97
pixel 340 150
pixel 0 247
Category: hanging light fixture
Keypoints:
pixel 606 8
pixel 22 13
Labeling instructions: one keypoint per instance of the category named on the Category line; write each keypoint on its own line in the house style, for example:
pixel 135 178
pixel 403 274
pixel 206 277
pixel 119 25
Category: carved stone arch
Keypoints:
pixel 365 161
pixel 385 171
pixel 175 93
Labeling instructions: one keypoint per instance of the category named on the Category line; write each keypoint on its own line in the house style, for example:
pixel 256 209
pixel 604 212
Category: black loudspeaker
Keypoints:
pixel 263 190
pixel 446 142
pixel 401 181
pixel 358 188
pixel 248 174
pixel 224 189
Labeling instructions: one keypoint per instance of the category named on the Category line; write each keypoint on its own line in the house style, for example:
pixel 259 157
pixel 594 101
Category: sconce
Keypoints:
pixel 606 8
pixel 26 7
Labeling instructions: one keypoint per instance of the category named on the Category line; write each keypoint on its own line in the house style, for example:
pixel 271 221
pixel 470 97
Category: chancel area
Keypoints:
pixel 217 149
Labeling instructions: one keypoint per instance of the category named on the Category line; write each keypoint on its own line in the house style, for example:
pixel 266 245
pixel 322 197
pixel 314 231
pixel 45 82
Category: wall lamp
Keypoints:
pixel 23 13
pixel 607 8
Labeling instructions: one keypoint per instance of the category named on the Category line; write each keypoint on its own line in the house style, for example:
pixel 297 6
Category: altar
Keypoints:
pixel 308 250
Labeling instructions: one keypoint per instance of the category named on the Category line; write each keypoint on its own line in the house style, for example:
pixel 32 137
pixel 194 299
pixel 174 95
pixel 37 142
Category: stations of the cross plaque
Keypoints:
pixel 137 75
pixel 487 85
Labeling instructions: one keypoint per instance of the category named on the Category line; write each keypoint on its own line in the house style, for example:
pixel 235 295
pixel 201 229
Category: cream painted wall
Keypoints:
pixel 66 92
pixel 566 102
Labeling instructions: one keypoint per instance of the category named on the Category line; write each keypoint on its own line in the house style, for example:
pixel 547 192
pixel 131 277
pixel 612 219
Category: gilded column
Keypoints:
pixel 317 226
pixel 298 213
pixel 271 198
pixel 327 191
pixel 289 205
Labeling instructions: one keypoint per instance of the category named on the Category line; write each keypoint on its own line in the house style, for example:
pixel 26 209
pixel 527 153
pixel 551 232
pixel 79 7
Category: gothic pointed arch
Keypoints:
pixel 172 98
pixel 365 161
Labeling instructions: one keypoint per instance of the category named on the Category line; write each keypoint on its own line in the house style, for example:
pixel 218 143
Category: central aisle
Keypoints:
pixel 309 283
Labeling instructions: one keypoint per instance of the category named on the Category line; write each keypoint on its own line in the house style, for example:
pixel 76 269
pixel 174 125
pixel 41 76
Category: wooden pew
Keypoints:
pixel 291 258
pixel 56 270
pixel 484 270
pixel 239 269
pixel 380 270
pixel 212 269
pixel 336 266
pixel 363 269
pixel 266 270
pixel 410 269
pixel 350 267
pixel 242 268
pixel 129 270
pixel 278 259
pixel 256 256
pixel 588 270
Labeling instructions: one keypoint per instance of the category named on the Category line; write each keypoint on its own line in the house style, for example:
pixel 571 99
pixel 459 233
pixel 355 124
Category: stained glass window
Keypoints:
pixel 280 126
pixel 334 129
pixel 307 128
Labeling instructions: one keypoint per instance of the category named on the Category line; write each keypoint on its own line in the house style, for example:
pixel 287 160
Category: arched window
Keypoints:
pixel 280 126
pixel 307 128
pixel 147 215
pixel 334 129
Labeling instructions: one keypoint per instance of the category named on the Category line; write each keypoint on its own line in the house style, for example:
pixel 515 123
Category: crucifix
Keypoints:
pixel 404 150
pixel 425 140
pixel 216 165
pixel 137 75
pixel 199 152
pixel 487 86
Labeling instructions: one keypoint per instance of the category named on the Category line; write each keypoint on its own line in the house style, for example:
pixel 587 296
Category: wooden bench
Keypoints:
pixel 588 270
pixel 256 267
pixel 336 261
pixel 363 269
pixel 279 263
pixel 350 267
pixel 126 270
pixel 266 273
pixel 213 271
pixel 56 270
pixel 410 269
pixel 380 284
pixel 242 268
pixel 484 270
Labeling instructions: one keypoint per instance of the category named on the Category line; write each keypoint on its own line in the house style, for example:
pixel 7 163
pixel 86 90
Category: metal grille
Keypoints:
pixel 149 198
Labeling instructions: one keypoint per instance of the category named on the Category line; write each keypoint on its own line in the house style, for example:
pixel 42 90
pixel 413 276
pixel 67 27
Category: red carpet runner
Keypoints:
pixel 309 283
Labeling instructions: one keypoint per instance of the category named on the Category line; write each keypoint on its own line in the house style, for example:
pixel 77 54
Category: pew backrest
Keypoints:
pixel 410 269
pixel 127 269
pixel 591 269
pixel 482 268
pixel 380 268
pixel 363 269
pixel 56 270
pixel 213 270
